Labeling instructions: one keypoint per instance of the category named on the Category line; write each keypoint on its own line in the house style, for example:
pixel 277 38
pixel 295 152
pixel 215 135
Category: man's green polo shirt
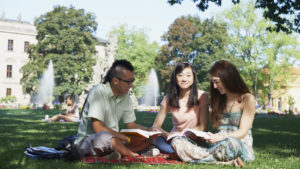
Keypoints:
pixel 104 106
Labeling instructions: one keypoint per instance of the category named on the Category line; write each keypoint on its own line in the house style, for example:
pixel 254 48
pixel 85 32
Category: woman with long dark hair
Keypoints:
pixel 187 104
pixel 71 114
pixel 232 114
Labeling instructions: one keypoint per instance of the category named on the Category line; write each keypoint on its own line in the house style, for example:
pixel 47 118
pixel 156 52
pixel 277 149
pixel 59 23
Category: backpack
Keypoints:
pixel 66 143
pixel 44 152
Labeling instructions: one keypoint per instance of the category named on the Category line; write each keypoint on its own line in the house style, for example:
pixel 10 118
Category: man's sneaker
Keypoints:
pixel 151 152
pixel 113 156
pixel 47 118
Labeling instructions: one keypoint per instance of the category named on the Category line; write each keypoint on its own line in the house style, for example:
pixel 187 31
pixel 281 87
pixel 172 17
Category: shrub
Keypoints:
pixel 9 99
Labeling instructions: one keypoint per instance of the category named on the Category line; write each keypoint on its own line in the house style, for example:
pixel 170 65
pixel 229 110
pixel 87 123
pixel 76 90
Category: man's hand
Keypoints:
pixel 137 143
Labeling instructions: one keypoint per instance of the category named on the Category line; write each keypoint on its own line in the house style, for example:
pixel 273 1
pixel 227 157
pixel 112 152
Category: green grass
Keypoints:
pixel 276 141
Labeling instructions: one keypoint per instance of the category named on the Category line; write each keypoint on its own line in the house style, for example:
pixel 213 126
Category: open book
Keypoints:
pixel 139 132
pixel 187 132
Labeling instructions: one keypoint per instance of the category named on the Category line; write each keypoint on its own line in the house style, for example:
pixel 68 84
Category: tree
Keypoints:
pixel 188 39
pixel 277 11
pixel 133 46
pixel 281 52
pixel 211 45
pixel 264 57
pixel 281 12
pixel 247 35
pixel 179 47
pixel 64 36
pixel 291 102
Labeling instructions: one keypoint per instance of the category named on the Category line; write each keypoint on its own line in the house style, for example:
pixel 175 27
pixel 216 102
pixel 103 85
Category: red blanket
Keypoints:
pixel 159 159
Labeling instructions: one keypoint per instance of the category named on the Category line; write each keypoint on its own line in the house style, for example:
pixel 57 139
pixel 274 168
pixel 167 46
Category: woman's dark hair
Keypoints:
pixel 173 95
pixel 71 97
pixel 116 70
pixel 233 83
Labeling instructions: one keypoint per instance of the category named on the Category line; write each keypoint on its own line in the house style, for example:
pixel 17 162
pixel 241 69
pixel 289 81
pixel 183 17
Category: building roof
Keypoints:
pixel 15 21
pixel 17 27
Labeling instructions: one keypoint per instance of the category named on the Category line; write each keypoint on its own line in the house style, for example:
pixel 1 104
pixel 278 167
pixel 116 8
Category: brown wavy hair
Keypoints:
pixel 232 82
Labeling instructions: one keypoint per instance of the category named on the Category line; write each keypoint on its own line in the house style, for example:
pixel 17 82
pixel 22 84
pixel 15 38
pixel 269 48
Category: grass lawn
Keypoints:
pixel 276 141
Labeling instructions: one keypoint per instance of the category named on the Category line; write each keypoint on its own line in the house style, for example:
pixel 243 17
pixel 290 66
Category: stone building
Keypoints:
pixel 15 36
pixel 281 99
pixel 105 51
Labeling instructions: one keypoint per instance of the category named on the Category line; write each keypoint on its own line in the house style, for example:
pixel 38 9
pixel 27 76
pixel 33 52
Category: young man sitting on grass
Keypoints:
pixel 106 104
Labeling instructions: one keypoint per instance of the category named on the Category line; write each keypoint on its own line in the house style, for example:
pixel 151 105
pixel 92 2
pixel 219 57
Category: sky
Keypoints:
pixel 154 16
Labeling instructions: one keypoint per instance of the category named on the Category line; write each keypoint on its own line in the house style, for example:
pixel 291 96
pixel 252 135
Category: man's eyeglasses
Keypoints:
pixel 127 81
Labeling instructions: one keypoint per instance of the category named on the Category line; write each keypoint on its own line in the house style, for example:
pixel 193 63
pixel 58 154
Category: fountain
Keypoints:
pixel 148 101
pixel 46 86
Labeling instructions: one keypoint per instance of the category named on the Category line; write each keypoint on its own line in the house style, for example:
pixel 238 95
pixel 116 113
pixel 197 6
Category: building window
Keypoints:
pixel 9 71
pixel 26 44
pixel 10 45
pixel 8 91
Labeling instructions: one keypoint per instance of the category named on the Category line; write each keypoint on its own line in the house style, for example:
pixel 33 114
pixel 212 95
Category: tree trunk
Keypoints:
pixel 270 95
pixel 255 87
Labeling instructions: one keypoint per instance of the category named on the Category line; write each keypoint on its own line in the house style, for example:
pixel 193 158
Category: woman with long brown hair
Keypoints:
pixel 232 114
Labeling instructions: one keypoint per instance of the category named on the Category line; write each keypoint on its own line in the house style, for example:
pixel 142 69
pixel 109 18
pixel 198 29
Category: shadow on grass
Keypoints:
pixel 21 128
pixel 277 136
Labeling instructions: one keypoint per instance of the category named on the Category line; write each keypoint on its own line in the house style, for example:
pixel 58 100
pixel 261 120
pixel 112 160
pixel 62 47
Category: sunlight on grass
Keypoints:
pixel 291 133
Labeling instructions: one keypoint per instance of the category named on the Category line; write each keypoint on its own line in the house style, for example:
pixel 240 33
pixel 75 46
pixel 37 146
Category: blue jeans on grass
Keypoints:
pixel 162 145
